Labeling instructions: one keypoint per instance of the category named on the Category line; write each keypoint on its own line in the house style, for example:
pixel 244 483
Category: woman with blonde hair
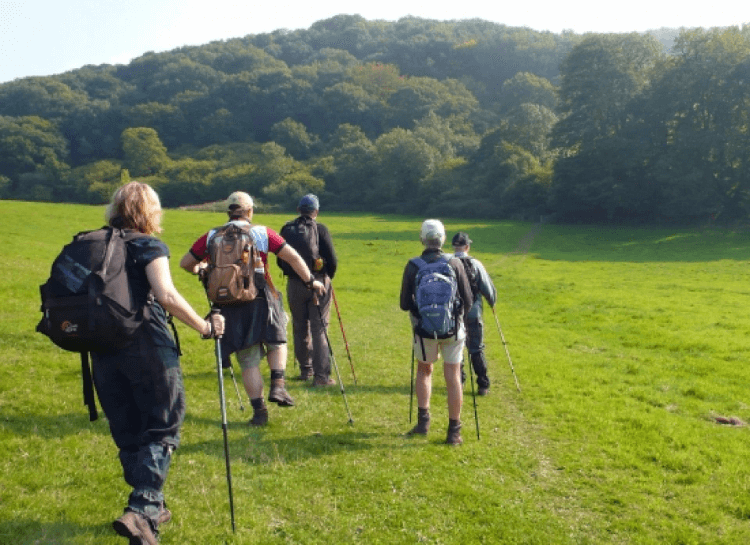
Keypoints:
pixel 140 387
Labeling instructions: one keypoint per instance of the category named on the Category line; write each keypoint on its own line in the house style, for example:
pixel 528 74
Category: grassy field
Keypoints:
pixel 628 345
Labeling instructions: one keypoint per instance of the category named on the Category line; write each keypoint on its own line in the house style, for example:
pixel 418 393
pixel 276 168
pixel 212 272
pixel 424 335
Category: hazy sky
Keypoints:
pixel 45 37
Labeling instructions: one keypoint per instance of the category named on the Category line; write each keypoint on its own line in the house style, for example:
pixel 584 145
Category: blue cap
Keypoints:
pixel 308 203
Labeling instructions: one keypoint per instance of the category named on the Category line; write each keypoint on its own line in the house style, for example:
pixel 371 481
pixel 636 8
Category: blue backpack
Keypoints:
pixel 436 298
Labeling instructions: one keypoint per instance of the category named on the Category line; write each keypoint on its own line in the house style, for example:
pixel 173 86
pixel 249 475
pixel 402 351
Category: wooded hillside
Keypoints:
pixel 443 118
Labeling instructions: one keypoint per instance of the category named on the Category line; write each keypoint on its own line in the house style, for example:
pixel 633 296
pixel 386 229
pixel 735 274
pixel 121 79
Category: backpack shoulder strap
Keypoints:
pixel 88 387
pixel 418 261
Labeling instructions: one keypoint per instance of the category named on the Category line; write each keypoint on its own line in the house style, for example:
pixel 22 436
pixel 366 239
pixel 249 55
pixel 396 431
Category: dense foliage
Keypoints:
pixel 466 117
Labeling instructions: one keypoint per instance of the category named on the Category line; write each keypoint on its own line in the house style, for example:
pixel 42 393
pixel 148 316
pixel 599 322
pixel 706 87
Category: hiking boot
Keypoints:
pixel 454 433
pixel 304 375
pixel 483 390
pixel 135 527
pixel 423 424
pixel 260 417
pixel 278 394
pixel 323 382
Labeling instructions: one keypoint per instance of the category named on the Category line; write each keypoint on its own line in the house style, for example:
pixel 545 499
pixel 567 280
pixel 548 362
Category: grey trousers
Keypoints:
pixel 310 346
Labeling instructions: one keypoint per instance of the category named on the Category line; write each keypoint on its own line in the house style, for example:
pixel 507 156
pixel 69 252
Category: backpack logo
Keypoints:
pixel 436 297
pixel 69 328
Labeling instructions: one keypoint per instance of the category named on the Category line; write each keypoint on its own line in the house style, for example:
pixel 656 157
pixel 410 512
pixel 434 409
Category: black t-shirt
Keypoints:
pixel 141 252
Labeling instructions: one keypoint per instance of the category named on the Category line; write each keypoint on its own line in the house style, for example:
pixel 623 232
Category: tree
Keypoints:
pixel 293 136
pixel 30 145
pixel 353 165
pixel 599 78
pixel 291 187
pixel 402 161
pixel 597 176
pixel 143 152
pixel 696 116
pixel 524 88
pixel 95 183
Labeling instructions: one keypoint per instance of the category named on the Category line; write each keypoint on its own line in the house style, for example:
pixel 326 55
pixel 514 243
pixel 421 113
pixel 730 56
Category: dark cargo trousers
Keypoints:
pixel 310 346
pixel 141 392
pixel 475 346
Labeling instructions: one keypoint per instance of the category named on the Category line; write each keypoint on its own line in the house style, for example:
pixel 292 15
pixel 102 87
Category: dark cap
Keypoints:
pixel 461 239
pixel 308 203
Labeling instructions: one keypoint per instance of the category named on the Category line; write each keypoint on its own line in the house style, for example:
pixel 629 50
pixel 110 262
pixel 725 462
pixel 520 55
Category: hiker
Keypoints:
pixel 259 325
pixel 140 387
pixel 481 288
pixel 310 312
pixel 438 325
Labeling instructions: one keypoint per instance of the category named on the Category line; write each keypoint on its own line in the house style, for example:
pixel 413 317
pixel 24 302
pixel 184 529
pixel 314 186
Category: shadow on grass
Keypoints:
pixel 585 242
pixel 254 448
pixel 24 531
pixel 53 426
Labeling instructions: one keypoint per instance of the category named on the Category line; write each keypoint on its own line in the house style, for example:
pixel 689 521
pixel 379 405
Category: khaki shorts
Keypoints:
pixel 250 357
pixel 450 348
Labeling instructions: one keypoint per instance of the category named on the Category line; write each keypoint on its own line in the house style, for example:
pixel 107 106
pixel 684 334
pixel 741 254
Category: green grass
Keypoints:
pixel 626 342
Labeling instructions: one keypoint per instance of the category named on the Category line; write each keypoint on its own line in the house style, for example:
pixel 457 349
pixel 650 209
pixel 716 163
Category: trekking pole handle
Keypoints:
pixel 214 312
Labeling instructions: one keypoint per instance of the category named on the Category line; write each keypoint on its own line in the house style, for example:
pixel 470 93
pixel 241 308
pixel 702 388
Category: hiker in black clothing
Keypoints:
pixel 426 348
pixel 310 312
pixel 140 386
pixel 481 287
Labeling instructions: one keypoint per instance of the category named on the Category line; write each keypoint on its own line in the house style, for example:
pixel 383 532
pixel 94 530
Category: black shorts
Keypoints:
pixel 261 320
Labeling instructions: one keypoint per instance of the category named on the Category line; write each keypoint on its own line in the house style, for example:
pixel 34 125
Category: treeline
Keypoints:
pixel 444 118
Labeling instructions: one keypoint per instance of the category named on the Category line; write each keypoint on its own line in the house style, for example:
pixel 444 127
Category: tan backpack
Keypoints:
pixel 232 258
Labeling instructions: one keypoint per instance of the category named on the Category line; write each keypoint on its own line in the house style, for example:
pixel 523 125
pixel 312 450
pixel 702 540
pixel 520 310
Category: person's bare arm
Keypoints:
pixel 167 295
pixel 189 263
pixel 290 255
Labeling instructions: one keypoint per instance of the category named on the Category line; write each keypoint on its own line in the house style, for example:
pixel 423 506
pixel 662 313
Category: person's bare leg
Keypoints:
pixel 276 355
pixel 424 392
pixel 452 372
pixel 253 382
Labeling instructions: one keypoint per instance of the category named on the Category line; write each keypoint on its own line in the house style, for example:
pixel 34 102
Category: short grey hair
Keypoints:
pixel 434 243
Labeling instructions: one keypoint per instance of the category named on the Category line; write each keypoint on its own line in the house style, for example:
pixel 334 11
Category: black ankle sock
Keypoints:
pixel 258 403
pixel 277 375
pixel 423 413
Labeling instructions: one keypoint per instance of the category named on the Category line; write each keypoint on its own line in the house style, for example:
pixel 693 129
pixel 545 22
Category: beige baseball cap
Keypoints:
pixel 239 199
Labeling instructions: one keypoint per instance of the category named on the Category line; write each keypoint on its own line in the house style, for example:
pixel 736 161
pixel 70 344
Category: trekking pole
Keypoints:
pixel 236 389
pixel 473 395
pixel 343 334
pixel 333 360
pixel 505 345
pixel 411 385
pixel 222 403
pixel 231 369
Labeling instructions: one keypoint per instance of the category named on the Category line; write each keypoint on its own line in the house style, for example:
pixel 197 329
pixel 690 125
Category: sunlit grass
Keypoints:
pixel 627 344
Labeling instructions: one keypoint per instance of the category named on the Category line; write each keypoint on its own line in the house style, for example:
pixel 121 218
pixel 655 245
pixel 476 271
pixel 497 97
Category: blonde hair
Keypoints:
pixel 135 206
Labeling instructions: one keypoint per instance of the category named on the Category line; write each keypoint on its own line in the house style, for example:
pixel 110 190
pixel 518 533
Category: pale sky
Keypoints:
pixel 46 37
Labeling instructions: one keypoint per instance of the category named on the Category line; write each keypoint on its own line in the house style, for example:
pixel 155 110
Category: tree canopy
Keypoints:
pixel 406 116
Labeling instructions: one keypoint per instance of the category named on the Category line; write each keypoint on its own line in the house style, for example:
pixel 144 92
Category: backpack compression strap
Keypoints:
pixel 88 387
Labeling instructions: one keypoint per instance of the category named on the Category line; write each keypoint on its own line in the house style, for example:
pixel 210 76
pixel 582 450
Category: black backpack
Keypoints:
pixel 470 274
pixel 88 304
pixel 302 235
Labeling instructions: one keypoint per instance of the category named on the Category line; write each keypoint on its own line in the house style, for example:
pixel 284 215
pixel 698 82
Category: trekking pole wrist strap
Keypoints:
pixel 210 334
